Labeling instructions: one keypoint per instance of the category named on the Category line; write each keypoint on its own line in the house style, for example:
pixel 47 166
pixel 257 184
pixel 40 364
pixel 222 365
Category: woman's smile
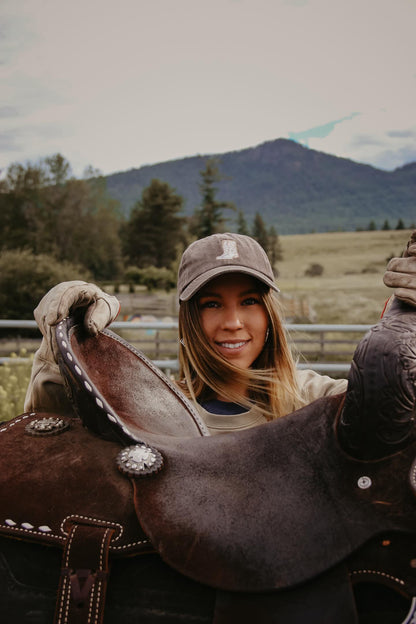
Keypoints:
pixel 234 318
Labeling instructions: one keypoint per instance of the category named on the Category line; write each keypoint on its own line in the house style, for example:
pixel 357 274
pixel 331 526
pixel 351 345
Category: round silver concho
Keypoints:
pixel 139 460
pixel 46 426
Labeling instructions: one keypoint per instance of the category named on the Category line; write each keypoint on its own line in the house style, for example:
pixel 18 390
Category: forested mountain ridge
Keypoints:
pixel 294 188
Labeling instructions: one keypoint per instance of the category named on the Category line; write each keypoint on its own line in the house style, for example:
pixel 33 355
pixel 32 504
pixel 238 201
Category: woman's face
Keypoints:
pixel 233 317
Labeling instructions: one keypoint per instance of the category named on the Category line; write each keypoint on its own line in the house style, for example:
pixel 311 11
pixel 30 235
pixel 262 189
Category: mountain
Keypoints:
pixel 294 188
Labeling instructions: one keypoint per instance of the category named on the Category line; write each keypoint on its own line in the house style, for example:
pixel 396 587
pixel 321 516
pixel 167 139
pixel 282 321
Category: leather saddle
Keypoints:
pixel 263 510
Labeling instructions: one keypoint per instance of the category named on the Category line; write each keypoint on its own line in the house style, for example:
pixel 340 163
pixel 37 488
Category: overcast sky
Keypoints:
pixel 119 84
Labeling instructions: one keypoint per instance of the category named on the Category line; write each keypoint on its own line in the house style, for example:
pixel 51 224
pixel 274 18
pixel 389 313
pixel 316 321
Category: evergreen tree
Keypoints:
pixel 242 227
pixel 386 226
pixel 259 232
pixel 274 248
pixel 155 228
pixel 400 225
pixel 46 211
pixel 209 219
pixel 372 226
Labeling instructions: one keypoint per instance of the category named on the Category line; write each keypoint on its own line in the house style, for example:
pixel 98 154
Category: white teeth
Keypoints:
pixel 232 345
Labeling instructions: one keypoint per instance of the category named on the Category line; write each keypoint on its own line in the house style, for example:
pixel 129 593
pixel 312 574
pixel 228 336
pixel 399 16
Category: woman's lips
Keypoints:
pixel 232 345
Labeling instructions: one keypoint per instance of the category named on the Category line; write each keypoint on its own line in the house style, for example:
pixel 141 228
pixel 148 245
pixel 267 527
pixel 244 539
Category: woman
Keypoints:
pixel 235 361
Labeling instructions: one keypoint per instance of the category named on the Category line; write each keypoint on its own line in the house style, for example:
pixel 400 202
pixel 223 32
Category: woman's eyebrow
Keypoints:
pixel 208 293
pixel 244 293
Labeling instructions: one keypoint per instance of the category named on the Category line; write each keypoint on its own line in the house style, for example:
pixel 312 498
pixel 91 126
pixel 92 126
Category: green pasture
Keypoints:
pixel 350 289
pixel 14 379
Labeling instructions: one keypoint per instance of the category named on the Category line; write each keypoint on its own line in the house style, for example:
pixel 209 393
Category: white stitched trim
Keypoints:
pixel 379 573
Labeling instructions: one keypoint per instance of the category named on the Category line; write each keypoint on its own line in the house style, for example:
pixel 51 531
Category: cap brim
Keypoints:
pixel 192 288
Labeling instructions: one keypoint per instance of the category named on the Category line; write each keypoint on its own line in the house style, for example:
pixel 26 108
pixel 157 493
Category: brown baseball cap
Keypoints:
pixel 217 254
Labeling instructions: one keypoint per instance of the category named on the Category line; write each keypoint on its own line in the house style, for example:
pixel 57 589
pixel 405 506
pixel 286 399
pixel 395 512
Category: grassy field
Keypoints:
pixel 350 289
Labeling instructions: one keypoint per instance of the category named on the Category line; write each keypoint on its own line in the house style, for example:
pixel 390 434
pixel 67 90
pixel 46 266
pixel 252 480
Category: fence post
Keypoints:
pixel 157 344
pixel 322 343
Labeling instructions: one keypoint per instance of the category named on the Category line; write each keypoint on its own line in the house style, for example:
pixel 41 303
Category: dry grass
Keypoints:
pixel 351 288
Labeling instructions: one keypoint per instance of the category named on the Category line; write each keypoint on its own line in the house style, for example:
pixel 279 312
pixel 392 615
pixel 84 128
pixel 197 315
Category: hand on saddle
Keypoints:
pixel 98 309
pixel 401 273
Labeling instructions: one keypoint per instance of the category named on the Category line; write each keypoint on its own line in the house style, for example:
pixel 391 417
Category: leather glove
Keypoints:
pixel 401 273
pixel 45 388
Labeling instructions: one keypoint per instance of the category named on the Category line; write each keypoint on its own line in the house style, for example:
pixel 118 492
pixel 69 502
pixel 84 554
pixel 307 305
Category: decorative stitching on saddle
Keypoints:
pixel 100 521
pixel 413 474
pixel 32 532
pixel 97 587
pixel 138 543
pixel 65 595
pixel 16 421
pixel 379 573
pixel 109 524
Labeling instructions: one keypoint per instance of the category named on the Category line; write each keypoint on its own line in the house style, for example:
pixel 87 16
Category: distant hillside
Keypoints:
pixel 296 189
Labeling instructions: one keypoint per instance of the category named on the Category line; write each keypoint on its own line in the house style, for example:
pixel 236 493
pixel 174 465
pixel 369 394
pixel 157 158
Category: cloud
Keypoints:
pixel 402 134
pixel 394 158
pixel 8 111
pixel 148 85
pixel 9 141
pixel 365 140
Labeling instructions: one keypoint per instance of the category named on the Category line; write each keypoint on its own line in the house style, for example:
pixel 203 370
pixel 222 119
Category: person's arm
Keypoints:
pixel 46 387
pixel 313 386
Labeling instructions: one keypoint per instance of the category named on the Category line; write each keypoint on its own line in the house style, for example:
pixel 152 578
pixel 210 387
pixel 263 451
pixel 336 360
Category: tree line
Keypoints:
pixel 54 227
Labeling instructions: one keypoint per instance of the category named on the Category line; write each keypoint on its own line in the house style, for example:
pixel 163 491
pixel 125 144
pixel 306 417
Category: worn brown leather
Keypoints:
pixel 276 507
pixel 56 481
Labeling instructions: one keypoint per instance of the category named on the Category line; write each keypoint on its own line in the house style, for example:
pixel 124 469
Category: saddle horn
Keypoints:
pixel 380 406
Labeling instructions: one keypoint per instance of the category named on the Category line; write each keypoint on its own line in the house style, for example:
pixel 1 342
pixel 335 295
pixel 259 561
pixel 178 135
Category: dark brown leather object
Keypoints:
pixel 48 483
pixel 273 506
pixel 380 408
pixel 118 393
pixel 270 508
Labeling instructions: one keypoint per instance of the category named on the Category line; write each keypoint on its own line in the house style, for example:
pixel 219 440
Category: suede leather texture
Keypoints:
pixel 57 480
pixel 274 506
pixel 144 404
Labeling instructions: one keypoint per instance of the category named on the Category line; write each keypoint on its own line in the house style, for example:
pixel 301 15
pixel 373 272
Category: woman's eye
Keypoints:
pixel 208 304
pixel 251 301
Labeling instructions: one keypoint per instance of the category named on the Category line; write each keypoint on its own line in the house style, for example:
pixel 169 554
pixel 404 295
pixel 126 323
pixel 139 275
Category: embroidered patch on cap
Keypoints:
pixel 229 250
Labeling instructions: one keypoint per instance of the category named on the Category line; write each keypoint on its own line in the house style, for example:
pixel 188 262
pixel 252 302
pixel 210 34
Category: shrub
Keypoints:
pixel 314 270
pixel 26 277
pixel 151 277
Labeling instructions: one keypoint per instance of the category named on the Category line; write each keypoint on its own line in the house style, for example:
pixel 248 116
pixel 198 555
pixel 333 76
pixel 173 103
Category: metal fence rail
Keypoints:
pixel 317 344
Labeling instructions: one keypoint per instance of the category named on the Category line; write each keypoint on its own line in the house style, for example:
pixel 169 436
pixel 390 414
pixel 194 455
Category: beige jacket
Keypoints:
pixel 312 385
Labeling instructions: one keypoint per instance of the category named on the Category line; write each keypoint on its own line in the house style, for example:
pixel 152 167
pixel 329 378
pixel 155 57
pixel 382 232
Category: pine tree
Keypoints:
pixel 242 227
pixel 259 232
pixel 274 248
pixel 155 228
pixel 209 218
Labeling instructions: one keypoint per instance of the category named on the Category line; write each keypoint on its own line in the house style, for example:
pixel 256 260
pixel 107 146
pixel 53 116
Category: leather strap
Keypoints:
pixel 84 575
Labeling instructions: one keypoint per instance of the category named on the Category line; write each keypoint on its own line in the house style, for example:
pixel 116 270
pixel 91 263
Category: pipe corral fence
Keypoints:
pixel 324 348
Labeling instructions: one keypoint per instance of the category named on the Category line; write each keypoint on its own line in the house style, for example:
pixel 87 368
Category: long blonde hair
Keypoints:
pixel 271 380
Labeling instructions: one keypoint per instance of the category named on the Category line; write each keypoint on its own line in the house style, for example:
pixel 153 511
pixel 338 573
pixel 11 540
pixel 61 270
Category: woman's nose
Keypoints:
pixel 232 319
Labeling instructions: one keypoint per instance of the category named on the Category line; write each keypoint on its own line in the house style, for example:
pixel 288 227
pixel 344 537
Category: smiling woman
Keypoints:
pixel 235 359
